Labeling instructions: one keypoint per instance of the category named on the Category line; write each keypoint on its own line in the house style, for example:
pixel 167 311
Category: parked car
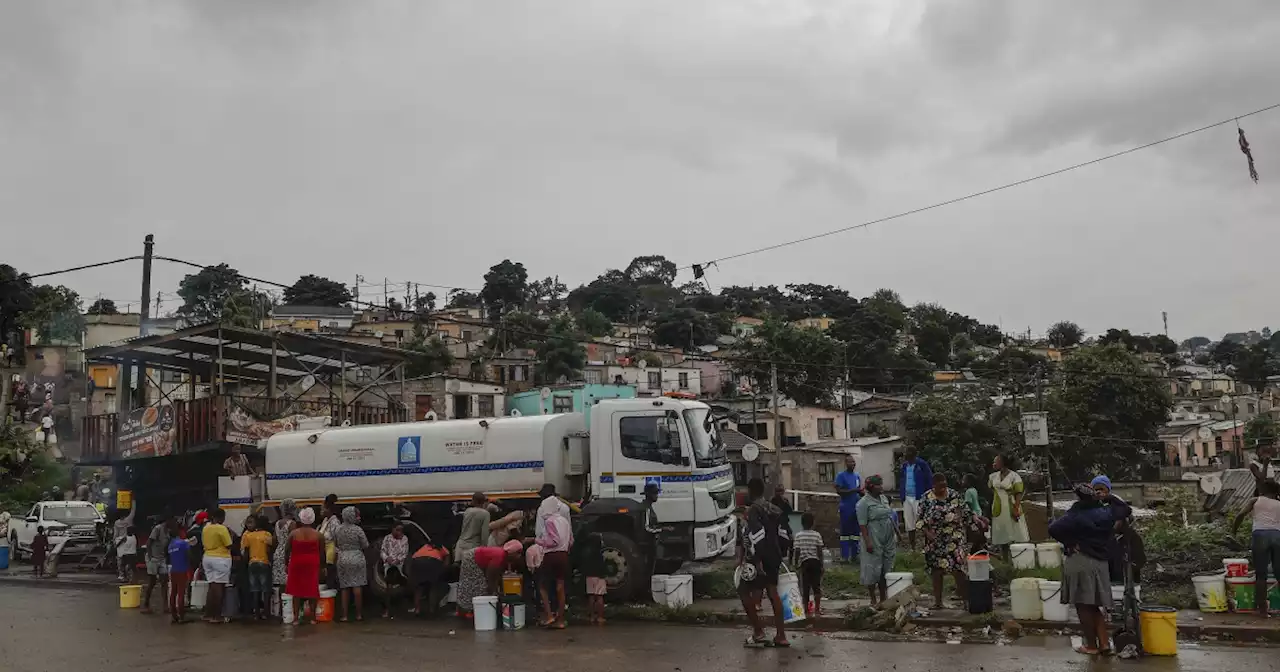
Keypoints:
pixel 73 526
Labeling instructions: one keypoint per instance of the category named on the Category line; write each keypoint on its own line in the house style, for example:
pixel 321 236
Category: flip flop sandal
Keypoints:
pixel 754 643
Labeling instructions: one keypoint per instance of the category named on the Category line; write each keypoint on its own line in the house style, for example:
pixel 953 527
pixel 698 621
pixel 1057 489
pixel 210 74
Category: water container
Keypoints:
pixel 658 588
pixel 679 590
pixel 286 608
pixel 4 556
pixel 130 597
pixel 789 595
pixel 1240 590
pixel 199 594
pixel 513 617
pixel 1025 599
pixel 324 606
pixel 1211 591
pixel 1049 555
pixel 486 611
pixel 1023 556
pixel 898 582
pixel 1051 605
pixel 980 566
pixel 980 597
pixel 1159 627
pixel 512 584
pixel 1235 566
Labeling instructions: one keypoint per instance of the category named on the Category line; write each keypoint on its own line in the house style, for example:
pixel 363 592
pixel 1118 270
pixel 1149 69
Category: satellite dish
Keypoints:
pixel 1211 484
pixel 751 452
pixel 642 363
pixel 1205 433
pixel 545 393
pixel 430 416
pixel 515 413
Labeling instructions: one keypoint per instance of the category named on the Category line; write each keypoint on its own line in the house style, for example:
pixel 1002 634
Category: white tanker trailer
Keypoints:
pixel 419 472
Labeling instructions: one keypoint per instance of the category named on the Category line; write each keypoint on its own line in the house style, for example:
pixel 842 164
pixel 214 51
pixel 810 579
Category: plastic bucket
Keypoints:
pixel 898 582
pixel 513 617
pixel 230 602
pixel 130 597
pixel 1273 594
pixel 485 608
pixel 286 608
pixel 325 607
pixel 789 592
pixel 1211 591
pixel 1240 589
pixel 679 590
pixel 512 584
pixel 980 566
pixel 1049 555
pixel 1159 628
pixel 658 588
pixel 1024 599
pixel 4 557
pixel 1235 566
pixel 1051 606
pixel 1023 556
pixel 199 594
pixel 1117 594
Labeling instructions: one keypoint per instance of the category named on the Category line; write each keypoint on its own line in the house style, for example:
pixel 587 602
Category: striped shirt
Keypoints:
pixel 808 545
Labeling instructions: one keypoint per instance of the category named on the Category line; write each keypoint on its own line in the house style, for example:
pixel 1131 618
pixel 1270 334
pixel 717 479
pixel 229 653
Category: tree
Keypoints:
pixel 1254 364
pixel 246 309
pixel 960 431
pixel 593 323
pixel 427 355
pixel 806 358
pixel 103 307
pixel 1065 334
pixel 313 290
pixel 1261 431
pixel 654 269
pixel 505 286
pixel 16 296
pixel 205 294
pixel 611 294
pixel 812 300
pixel 1162 344
pixel 55 313
pixel 546 295
pixel 1196 342
pixel 560 356
pixel 518 330
pixel 424 303
pixel 1225 352
pixel 1014 363
pixel 933 338
pixel 26 469
pixel 684 327
pixel 1107 407
pixel 464 299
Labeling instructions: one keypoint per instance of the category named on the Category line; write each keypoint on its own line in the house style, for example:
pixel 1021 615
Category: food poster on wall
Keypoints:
pixel 147 432
pixel 249 427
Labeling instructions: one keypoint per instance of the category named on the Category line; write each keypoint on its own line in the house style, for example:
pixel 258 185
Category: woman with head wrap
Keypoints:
pixel 1086 533
pixel 284 527
pixel 353 575
pixel 555 536
pixel 304 556
pixel 482 569
pixel 879 538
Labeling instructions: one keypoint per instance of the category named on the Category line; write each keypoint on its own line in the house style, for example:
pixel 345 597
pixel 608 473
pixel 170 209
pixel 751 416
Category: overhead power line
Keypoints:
pixel 985 192
pixel 85 267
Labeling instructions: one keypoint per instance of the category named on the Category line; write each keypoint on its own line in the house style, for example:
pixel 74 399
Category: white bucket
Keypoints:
pixel 486 612
pixel 1051 604
pixel 513 616
pixel 1049 555
pixel 286 608
pixel 1117 595
pixel 199 594
pixel 658 588
pixel 1023 556
pixel 898 582
pixel 1211 591
pixel 679 590
pixel 789 594
pixel 1024 599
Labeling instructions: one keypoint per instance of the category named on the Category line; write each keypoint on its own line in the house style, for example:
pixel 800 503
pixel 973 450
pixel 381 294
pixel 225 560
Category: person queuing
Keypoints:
pixel 759 558
pixel 283 529
pixel 880 539
pixel 157 560
pixel 1265 539
pixel 178 555
pixel 1085 533
pixel 785 533
pixel 39 551
pixel 394 553
pixel 427 570
pixel 945 519
pixel 590 563
pixel 977 531
pixel 481 572
pixel 475 526
pixel 916 480
pixel 555 535
pixel 119 535
pixel 216 565
pixel 353 574
pixel 808 554
pixel 256 544
pixel 849 488
pixel 304 558
pixel 1008 526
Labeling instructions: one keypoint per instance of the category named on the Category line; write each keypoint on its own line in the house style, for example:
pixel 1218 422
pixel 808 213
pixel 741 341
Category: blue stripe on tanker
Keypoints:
pixel 407 471
pixel 672 478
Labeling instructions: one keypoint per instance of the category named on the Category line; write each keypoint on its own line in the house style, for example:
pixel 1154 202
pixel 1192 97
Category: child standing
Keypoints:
pixel 591 564
pixel 39 550
pixel 127 553
pixel 179 575
pixel 256 544
pixel 808 551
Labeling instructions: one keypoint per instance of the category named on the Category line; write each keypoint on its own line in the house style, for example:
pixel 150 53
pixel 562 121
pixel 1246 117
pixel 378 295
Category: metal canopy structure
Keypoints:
pixel 248 354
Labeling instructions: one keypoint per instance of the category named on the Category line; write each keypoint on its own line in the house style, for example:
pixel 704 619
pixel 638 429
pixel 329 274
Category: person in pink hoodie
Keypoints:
pixel 555 536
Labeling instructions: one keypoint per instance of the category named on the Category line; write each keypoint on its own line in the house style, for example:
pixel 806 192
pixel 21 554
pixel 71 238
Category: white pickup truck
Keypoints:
pixel 71 526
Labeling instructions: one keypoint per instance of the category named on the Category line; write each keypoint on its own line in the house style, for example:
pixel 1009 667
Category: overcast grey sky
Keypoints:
pixel 426 141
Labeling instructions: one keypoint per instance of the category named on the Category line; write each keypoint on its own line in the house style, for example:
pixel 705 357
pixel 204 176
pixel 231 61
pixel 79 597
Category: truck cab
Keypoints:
pixel 71 526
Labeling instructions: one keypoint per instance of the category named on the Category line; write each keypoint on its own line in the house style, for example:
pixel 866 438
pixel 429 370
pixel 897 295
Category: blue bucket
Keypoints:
pixel 4 557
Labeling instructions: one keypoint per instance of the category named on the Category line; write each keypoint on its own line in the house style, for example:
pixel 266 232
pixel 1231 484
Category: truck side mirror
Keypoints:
pixel 32 519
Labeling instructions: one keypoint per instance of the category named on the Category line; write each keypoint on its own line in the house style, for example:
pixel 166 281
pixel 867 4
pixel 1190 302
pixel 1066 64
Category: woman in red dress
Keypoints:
pixel 305 551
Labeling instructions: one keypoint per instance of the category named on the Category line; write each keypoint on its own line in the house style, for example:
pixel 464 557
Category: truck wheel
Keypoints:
pixel 626 572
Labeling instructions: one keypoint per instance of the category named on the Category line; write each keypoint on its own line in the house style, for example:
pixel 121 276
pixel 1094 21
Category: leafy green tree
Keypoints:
pixel 561 355
pixel 547 294
pixel 505 288
pixel 428 355
pixel 1254 364
pixel 102 307
pixel 313 290
pixel 517 330
pixel 807 362
pixel 684 327
pixel 424 303
pixel 1065 334
pixel 16 297
pixel 960 431
pixel 1196 342
pixel 593 323
pixel 653 269
pixel 611 294
pixel 26 469
pixel 929 325
pixel 1225 353
pixel 55 313
pixel 1107 406
pixel 206 294
pixel 1261 431
pixel 1013 363
pixel 812 300
pixel 464 299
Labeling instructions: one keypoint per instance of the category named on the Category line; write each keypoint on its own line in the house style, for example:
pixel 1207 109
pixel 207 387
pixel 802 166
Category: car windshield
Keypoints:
pixel 70 515
pixel 708 448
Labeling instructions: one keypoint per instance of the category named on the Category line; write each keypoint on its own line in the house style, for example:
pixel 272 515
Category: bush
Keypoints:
pixel 26 470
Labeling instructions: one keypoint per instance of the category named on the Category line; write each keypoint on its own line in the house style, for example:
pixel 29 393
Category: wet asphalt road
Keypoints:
pixel 45 629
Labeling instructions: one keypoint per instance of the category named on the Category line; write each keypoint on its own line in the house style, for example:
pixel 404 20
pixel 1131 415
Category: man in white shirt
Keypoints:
pixel 46 426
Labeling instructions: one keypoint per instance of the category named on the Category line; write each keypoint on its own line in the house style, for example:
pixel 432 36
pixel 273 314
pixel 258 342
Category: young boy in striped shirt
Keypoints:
pixel 808 552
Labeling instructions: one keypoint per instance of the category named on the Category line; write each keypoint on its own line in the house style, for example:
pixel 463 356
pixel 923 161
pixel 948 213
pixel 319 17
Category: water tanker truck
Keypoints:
pixel 420 473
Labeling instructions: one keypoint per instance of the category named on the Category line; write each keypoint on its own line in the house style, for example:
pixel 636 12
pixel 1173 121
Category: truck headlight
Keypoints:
pixel 57 533
pixel 712 541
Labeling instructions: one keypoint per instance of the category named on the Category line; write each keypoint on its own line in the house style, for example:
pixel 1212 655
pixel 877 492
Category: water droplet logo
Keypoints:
pixel 409 451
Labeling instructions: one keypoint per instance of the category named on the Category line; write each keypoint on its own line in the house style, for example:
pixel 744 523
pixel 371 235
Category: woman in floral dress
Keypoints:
pixel 284 527
pixel 945 519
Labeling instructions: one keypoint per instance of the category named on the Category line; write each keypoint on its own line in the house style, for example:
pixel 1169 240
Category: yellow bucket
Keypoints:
pixel 512 584
pixel 130 597
pixel 1159 627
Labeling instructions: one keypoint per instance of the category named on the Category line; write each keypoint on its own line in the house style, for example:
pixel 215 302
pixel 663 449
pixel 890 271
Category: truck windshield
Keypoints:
pixel 70 515
pixel 708 448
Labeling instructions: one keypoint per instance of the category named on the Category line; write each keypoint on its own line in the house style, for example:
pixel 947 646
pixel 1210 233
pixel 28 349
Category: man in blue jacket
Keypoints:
pixel 914 482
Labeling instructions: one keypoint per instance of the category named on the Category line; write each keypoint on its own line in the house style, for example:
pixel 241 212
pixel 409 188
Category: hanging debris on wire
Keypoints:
pixel 1244 147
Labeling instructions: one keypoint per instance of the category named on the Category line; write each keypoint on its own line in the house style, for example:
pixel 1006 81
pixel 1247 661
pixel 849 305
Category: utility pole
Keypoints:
pixel 359 281
pixel 127 396
pixel 1048 456
pixel 777 425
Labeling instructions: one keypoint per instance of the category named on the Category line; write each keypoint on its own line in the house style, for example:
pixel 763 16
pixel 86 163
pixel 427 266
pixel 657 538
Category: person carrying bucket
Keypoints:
pixel 849 488
pixel 759 558
pixel 1266 539
pixel 1086 533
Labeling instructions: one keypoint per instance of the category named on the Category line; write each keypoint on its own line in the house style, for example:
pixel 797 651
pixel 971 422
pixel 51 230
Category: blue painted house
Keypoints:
pixel 574 397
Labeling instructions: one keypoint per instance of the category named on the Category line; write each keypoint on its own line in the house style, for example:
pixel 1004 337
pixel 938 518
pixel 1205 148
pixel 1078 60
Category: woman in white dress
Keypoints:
pixel 1008 525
